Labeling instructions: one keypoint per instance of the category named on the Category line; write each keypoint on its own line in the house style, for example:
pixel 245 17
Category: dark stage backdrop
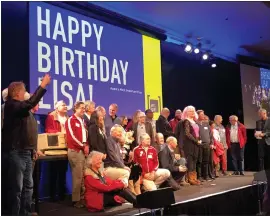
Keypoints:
pixel 188 81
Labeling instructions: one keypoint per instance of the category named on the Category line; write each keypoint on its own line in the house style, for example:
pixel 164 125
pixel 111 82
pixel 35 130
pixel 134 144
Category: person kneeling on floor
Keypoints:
pixel 100 190
pixel 174 163
pixel 147 157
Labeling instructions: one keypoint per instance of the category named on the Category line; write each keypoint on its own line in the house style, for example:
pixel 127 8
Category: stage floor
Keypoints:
pixel 188 194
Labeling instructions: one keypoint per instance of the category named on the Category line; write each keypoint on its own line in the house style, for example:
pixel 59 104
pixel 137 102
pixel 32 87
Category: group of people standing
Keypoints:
pixel 205 143
pixel 107 165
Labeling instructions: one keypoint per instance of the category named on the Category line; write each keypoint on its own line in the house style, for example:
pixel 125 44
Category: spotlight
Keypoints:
pixel 188 48
pixel 196 50
pixel 205 56
pixel 213 65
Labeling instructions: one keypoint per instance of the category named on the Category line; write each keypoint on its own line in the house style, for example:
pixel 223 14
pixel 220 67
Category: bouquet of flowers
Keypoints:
pixel 129 139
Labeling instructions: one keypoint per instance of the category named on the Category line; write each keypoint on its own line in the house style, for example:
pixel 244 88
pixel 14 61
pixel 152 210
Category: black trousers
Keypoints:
pixel 203 161
pixel 263 155
pixel 191 163
pixel 58 170
pixel 108 198
pixel 4 182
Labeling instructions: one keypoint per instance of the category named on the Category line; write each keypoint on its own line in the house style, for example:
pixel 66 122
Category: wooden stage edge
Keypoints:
pixel 221 185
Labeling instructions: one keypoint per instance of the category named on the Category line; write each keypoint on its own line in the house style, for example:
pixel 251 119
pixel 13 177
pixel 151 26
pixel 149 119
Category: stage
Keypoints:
pixel 230 195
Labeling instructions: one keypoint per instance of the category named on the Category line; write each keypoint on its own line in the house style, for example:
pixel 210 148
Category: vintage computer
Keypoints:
pixel 52 143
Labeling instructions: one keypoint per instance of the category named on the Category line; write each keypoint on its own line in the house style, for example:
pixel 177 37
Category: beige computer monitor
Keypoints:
pixel 50 141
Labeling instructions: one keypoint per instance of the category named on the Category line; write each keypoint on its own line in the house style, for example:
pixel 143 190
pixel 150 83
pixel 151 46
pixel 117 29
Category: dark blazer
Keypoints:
pixel 97 140
pixel 179 135
pixel 148 130
pixel 164 127
pixel 190 141
pixel 88 122
pixel 16 129
pixel 166 160
pixel 114 157
pixel 266 130
pixel 260 125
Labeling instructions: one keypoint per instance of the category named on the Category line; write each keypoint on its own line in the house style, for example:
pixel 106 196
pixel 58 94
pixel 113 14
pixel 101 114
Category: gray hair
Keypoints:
pixel 159 135
pixel 100 108
pixel 233 116
pixel 115 106
pixel 92 154
pixel 88 104
pixel 144 136
pixel 178 111
pixel 217 116
pixel 262 111
pixel 115 127
pixel 165 109
pixel 171 139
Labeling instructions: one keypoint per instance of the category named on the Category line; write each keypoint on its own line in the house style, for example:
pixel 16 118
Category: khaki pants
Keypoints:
pixel 117 173
pixel 77 164
pixel 161 175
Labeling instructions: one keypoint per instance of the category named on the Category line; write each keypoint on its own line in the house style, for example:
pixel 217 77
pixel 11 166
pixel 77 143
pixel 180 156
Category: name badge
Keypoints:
pixel 77 125
pixel 205 128
pixel 150 156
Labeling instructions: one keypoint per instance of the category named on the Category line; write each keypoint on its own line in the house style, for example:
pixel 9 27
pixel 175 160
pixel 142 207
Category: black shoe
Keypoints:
pixel 201 179
pixel 208 179
pixel 235 173
pixel 242 174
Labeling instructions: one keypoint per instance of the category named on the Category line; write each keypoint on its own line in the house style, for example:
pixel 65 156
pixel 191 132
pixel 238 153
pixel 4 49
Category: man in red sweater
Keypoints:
pixel 173 122
pixel 236 136
pixel 147 157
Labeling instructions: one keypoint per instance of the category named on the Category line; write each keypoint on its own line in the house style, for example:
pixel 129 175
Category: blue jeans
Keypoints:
pixel 21 182
pixel 238 157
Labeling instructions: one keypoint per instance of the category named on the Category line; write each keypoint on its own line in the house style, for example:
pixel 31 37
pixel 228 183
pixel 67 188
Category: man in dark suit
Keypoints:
pixel 142 127
pixel 265 135
pixel 174 163
pixel 89 110
pixel 163 125
pixel 19 141
pixel 261 140
pixel 179 134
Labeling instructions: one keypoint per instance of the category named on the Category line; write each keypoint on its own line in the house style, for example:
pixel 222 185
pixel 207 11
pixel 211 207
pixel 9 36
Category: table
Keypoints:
pixel 36 180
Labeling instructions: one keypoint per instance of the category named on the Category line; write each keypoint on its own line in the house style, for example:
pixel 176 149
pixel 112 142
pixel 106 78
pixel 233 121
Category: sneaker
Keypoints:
pixel 242 174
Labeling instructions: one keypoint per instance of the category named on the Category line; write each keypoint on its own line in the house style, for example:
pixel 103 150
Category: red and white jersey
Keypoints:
pixel 76 133
pixel 148 159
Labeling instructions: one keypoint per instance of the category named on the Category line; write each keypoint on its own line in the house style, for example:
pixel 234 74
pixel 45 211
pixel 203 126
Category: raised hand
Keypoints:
pixel 45 81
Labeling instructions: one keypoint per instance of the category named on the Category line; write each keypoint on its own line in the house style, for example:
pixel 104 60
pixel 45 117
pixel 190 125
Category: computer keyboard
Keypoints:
pixel 55 152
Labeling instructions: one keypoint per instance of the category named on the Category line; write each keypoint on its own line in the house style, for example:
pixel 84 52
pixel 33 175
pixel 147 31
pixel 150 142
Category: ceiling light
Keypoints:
pixel 213 65
pixel 188 48
pixel 205 56
pixel 196 50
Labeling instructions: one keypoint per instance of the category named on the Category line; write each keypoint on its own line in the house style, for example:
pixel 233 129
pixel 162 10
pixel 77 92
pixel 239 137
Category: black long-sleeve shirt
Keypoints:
pixel 19 128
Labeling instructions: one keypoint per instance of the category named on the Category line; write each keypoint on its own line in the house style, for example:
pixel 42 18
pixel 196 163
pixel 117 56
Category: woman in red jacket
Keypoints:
pixel 101 191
